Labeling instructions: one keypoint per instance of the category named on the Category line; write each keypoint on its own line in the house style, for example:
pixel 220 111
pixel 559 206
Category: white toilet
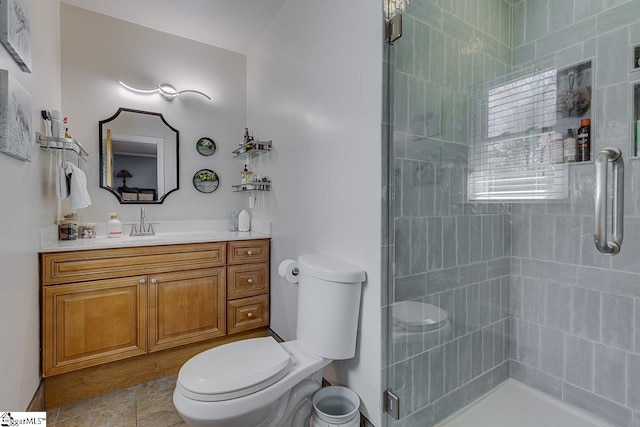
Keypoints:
pixel 262 383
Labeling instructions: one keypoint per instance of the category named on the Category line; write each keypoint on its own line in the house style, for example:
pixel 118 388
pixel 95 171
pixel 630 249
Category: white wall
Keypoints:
pixel 26 198
pixel 97 51
pixel 315 88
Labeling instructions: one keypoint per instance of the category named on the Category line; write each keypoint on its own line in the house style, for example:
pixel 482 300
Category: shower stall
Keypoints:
pixel 492 271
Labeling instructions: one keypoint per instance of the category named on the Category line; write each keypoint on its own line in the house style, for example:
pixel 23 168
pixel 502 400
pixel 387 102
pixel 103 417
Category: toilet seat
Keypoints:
pixel 233 370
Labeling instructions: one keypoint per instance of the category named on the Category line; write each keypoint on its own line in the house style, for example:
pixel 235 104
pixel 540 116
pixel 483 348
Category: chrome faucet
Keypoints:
pixel 142 229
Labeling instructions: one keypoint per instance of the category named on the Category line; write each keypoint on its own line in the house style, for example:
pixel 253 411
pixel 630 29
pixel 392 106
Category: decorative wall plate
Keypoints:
pixel 206 146
pixel 206 181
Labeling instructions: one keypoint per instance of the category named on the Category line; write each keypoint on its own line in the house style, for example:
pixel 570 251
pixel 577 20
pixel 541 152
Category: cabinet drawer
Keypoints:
pixel 80 266
pixel 247 280
pixel 248 251
pixel 247 313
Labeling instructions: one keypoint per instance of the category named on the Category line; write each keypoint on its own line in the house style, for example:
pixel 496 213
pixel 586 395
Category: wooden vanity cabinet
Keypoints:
pixel 104 305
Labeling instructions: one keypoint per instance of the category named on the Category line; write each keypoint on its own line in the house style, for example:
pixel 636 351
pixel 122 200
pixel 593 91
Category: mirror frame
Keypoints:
pixel 102 159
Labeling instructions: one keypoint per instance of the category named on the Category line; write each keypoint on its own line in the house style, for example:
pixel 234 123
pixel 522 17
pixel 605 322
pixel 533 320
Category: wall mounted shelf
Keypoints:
pixel 254 186
pixel 64 144
pixel 252 149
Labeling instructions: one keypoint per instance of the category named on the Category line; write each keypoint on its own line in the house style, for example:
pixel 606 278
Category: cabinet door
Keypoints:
pixel 186 307
pixel 93 323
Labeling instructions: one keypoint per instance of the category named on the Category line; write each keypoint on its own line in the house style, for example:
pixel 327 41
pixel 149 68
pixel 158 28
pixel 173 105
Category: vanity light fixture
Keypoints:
pixel 165 90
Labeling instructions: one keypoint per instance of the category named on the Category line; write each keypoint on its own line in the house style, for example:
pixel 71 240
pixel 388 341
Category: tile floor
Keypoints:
pixel 148 404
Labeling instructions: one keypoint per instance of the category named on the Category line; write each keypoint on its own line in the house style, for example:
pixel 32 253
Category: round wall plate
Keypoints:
pixel 206 146
pixel 206 181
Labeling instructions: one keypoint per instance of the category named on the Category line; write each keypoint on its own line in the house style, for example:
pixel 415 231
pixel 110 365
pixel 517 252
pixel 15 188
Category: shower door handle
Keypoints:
pixel 605 156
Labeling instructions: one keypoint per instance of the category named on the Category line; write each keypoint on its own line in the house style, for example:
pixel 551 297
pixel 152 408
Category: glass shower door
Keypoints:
pixel 447 306
pixel 493 272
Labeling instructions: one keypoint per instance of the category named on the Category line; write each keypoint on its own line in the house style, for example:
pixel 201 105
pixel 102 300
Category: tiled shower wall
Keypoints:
pixel 446 252
pixel 576 325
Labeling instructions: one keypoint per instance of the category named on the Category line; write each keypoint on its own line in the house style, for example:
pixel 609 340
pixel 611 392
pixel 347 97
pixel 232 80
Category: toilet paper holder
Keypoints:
pixel 289 270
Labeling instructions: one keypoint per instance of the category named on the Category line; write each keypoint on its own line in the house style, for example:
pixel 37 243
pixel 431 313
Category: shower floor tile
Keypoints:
pixel 515 404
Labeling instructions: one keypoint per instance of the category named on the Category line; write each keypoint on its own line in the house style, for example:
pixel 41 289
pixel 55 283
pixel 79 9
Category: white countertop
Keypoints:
pixel 167 233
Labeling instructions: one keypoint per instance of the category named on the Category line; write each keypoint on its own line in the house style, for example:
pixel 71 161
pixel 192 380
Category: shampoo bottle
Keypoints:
pixel 570 146
pixel 246 175
pixel 584 141
pixel 244 221
pixel 114 226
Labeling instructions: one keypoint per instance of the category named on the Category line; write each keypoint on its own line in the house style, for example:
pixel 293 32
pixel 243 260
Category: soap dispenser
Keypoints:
pixel 246 175
pixel 244 221
pixel 114 226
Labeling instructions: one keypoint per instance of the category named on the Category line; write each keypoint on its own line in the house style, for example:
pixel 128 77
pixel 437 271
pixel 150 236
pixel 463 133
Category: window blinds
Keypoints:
pixel 514 152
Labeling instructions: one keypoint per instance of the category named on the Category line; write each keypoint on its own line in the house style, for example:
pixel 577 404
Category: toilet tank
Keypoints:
pixel 328 306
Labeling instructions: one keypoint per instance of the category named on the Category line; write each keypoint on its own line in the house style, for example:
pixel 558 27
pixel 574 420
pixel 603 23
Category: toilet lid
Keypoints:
pixel 234 370
pixel 414 316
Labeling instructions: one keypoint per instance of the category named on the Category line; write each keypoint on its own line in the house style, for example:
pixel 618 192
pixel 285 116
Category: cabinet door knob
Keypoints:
pixel 250 315
pixel 154 281
pixel 142 281
pixel 249 280
pixel 249 253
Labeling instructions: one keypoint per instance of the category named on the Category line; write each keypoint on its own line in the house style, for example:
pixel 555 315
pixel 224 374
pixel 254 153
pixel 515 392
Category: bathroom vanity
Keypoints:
pixel 110 304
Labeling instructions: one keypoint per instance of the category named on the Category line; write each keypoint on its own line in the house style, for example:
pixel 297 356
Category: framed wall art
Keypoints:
pixel 15 31
pixel 15 118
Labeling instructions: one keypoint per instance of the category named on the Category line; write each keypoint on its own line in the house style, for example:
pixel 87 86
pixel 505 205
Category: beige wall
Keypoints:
pixel 26 203
pixel 97 51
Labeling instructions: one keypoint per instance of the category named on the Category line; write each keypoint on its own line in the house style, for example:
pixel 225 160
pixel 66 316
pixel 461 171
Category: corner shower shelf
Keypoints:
pixel 65 144
pixel 254 186
pixel 252 149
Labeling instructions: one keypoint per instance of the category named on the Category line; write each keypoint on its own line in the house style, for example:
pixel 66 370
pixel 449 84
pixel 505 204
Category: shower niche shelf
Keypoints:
pixel 63 144
pixel 635 125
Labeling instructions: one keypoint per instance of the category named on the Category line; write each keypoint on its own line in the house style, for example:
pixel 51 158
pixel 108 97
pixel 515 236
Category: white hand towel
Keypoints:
pixel 79 196
pixel 62 182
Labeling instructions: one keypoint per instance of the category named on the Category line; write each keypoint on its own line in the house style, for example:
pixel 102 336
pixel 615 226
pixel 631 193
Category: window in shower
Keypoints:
pixel 518 133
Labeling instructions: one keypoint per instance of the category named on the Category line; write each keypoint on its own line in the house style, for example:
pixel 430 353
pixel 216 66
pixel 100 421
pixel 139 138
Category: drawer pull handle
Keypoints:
pixel 250 315
pixel 249 280
pixel 154 281
pixel 142 281
pixel 249 253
